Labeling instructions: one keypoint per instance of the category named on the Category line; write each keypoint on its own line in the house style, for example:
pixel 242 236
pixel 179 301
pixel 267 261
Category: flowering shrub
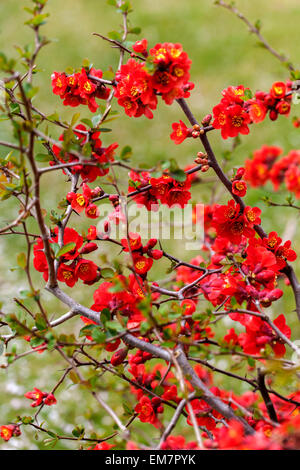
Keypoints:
pixel 158 336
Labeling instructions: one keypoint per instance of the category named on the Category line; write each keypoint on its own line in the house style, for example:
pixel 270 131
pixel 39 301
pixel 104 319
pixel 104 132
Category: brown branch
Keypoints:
pixel 265 395
pixel 255 30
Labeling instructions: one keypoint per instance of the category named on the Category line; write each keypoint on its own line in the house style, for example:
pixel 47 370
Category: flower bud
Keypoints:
pixel 206 120
pixel 155 254
pixel 118 357
pixel 205 168
pixel 88 248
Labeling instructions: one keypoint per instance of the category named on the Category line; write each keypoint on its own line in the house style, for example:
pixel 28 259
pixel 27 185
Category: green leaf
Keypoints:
pixel 98 335
pixel 40 322
pixel 22 260
pixel 136 30
pixel 65 249
pixel 27 419
pixel 35 342
pixel 105 316
pixel 114 326
pixel 178 175
pixel 105 129
pixel 107 273
pixel 37 20
pixel 248 94
pixel 126 152
pixel 115 36
pixel 75 118
pixel 258 25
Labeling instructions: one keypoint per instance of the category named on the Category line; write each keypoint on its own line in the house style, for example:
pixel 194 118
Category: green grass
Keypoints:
pixel 223 53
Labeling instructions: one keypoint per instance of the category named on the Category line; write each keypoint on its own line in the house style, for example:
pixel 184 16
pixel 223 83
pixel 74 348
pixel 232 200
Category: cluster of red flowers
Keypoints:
pixel 239 186
pixel 121 295
pixel 232 224
pixel 8 431
pixel 258 334
pixel 82 202
pixel 38 398
pixel 237 109
pixel 266 166
pixel 80 88
pixel 142 264
pixel 257 169
pixel 253 266
pixel 79 268
pixel 166 73
pixel 165 189
pixel 101 156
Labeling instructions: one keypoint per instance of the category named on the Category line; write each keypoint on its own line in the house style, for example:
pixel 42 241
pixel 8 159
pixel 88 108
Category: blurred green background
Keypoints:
pixel 223 53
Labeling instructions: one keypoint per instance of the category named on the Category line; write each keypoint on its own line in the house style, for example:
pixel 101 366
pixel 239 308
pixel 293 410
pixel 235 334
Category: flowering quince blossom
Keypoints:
pixel 78 267
pixel 137 87
pixel 164 189
pixel 10 430
pixel 78 88
pixel 236 110
pixel 100 156
pixel 40 398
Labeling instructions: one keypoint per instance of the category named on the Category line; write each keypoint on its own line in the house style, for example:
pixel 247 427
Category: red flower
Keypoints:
pixel 86 270
pixel 283 107
pixel 50 400
pixel 78 201
pixel 142 264
pixel 231 337
pixel 172 71
pixel 252 215
pixel 66 273
pixel 92 211
pixel 37 396
pixel 146 410
pixel 278 90
pixel 239 188
pixel 257 170
pixel 180 132
pixel 257 110
pixel 141 46
pixel 259 333
pixel 232 119
pixel 59 83
pixel 102 446
pixel 92 233
pixel 201 411
pixel 177 197
pixel 188 306
pixel 135 242
pixel 134 90
pixel 78 88
pixel 6 432
pixel 86 86
pixel 230 224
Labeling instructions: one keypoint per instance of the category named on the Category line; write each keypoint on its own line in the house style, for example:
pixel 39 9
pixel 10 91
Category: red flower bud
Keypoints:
pixel 206 120
pixel 273 115
pixel 151 243
pixel 155 254
pixel 119 356
pixel 88 248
